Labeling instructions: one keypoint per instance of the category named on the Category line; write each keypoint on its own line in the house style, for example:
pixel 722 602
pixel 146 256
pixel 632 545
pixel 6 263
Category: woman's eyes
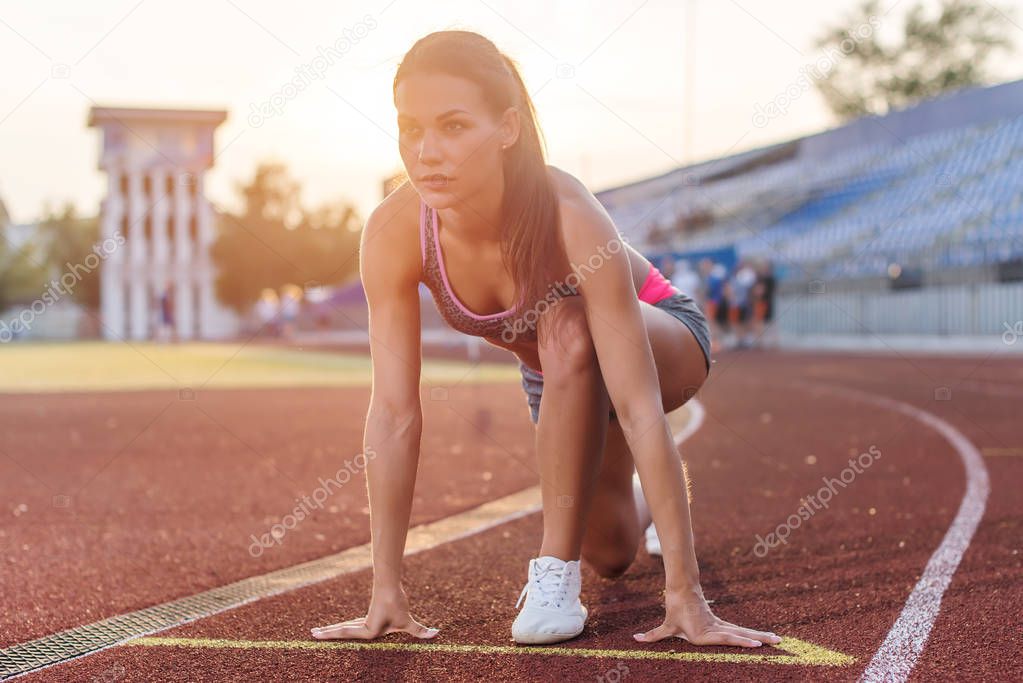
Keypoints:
pixel 409 129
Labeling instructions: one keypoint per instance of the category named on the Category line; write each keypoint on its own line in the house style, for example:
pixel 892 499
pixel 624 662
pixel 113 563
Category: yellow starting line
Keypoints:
pixel 798 652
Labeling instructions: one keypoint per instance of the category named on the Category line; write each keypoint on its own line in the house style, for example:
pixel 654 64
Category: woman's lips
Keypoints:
pixel 436 183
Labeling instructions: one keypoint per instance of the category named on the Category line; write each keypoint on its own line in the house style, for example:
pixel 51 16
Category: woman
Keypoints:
pixel 494 220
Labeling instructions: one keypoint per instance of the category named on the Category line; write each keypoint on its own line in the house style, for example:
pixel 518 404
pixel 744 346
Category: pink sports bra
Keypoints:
pixel 503 325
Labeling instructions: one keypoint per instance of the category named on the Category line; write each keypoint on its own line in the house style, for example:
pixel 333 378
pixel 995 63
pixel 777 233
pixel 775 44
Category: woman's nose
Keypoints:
pixel 428 149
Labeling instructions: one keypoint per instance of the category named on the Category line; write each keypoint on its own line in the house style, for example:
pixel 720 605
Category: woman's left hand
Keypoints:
pixel 688 616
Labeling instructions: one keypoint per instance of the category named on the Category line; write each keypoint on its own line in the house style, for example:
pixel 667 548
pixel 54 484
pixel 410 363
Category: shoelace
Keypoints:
pixel 549 591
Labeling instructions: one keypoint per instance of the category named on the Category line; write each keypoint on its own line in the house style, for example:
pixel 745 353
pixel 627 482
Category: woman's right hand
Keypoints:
pixel 388 613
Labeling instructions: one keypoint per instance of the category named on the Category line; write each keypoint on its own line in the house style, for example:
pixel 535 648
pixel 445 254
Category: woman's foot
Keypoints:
pixel 552 612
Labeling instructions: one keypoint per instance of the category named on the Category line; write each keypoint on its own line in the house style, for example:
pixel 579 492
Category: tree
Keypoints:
pixel 22 272
pixel 936 53
pixel 67 240
pixel 22 278
pixel 274 241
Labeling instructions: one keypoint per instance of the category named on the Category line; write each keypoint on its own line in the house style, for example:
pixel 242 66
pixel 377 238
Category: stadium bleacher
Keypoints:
pixel 943 198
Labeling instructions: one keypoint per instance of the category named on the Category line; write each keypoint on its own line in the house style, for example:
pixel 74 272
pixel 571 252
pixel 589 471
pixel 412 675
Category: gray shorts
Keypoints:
pixel 681 306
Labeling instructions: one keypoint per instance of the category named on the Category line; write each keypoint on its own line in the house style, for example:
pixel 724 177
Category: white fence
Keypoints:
pixel 975 310
pixel 59 321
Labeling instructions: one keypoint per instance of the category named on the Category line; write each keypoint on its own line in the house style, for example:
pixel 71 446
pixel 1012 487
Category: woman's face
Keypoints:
pixel 445 127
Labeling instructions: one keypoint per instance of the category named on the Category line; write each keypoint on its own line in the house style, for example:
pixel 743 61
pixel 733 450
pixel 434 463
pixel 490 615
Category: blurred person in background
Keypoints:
pixel 715 306
pixel 267 308
pixel 291 302
pixel 166 331
pixel 741 284
pixel 667 266
pixel 686 279
pixel 763 305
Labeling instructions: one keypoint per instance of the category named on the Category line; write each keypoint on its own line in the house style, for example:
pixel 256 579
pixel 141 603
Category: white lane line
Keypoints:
pixel 906 640
pixel 696 414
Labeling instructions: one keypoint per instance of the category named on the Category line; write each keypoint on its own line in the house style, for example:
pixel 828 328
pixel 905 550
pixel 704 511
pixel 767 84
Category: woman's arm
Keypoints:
pixel 394 420
pixel 389 266
pixel 626 361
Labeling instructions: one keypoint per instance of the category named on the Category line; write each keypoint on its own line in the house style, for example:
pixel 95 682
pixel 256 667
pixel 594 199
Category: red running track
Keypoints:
pixel 172 513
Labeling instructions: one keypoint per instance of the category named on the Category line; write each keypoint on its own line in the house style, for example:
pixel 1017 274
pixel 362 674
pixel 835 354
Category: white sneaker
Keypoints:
pixel 653 543
pixel 552 612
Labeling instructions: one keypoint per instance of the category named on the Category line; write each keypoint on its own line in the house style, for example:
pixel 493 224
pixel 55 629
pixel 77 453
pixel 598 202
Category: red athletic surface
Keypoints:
pixel 173 489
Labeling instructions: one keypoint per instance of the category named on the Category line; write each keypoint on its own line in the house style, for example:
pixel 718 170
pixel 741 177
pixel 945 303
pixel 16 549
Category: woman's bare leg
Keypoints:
pixel 570 431
pixel 615 524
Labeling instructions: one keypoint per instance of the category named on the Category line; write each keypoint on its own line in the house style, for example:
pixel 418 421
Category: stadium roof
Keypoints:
pixel 969 106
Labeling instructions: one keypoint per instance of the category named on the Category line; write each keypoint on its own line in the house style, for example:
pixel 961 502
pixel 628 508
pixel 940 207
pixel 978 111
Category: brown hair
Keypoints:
pixel 531 244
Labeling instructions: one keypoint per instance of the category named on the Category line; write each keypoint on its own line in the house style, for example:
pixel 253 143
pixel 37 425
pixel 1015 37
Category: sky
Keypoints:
pixel 623 90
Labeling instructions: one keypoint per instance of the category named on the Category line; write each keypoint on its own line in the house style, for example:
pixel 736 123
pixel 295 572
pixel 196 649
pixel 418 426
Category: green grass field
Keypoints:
pixel 114 366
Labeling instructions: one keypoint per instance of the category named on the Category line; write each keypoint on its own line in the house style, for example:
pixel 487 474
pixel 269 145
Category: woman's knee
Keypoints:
pixel 611 560
pixel 612 530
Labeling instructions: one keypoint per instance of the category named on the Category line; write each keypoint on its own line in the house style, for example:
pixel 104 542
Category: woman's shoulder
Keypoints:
pixel 395 221
pixel 568 187
pixel 402 204
pixel 579 209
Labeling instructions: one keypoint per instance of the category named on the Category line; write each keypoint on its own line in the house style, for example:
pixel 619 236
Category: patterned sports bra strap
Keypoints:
pixel 422 230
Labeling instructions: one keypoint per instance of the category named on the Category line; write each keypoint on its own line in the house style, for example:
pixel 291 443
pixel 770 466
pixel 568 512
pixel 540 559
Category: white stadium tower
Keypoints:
pixel 156 224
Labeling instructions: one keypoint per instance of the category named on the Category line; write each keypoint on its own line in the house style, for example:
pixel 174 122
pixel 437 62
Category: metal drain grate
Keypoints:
pixel 81 640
